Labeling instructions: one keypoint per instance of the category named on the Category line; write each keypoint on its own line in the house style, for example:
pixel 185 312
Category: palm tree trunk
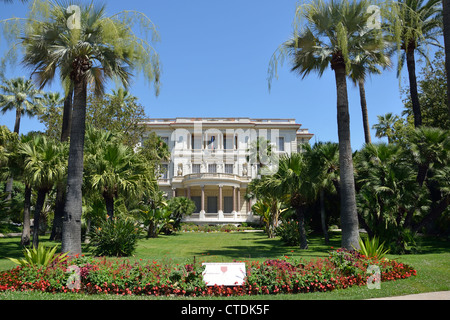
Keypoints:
pixel 365 116
pixel 71 236
pixel 349 217
pixel 301 227
pixel 67 116
pixel 411 63
pixel 109 202
pixel 61 187
pixel 323 217
pixel 25 241
pixel 17 123
pixel 56 234
pixel 37 215
pixel 446 21
pixel 9 183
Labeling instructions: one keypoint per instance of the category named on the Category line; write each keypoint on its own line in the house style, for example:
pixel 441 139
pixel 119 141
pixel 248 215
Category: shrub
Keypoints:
pixel 289 233
pixel 42 256
pixel 114 237
pixel 372 248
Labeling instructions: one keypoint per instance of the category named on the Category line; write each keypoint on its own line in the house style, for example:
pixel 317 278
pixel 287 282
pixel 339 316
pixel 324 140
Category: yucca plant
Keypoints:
pixel 42 256
pixel 372 248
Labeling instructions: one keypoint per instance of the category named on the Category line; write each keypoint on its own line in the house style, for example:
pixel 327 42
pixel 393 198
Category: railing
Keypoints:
pixel 207 175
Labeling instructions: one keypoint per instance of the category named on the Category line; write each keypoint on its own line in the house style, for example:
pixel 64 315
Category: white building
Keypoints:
pixel 213 161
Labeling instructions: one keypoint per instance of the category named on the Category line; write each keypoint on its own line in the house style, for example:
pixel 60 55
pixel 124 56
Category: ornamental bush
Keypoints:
pixel 114 238
pixel 124 277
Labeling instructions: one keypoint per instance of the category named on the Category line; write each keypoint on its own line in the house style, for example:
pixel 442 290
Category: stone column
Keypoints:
pixel 238 200
pixel 220 201
pixel 188 192
pixel 234 199
pixel 174 192
pixel 202 212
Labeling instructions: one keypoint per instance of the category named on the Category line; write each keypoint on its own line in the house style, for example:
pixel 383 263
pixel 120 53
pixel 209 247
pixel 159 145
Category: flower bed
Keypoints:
pixel 122 277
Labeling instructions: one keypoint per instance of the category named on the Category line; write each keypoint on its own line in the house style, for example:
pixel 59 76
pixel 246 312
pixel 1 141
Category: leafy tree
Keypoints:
pixel 102 48
pixel 333 33
pixel 155 149
pixel 119 112
pixel 432 95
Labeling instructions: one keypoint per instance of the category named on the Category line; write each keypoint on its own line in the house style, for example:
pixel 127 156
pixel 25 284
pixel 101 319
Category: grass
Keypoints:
pixel 432 263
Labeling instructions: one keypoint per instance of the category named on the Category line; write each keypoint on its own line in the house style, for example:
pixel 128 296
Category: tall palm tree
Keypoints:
pixel 102 48
pixel 385 126
pixel 446 31
pixel 19 95
pixel 362 65
pixel 333 32
pixel 414 25
pixel 44 167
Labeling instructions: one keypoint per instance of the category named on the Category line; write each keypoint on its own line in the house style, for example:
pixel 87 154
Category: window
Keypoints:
pixel 164 171
pixel 227 204
pixel 198 203
pixel 229 168
pixel 211 142
pixel 212 168
pixel 196 168
pixel 228 142
pixel 211 205
pixel 281 143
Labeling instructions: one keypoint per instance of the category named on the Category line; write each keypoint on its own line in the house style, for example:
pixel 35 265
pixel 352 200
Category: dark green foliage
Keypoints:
pixel 115 237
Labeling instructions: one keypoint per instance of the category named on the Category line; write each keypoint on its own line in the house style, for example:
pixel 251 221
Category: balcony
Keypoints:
pixel 195 178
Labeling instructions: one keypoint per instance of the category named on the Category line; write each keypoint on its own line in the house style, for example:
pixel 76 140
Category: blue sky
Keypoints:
pixel 215 56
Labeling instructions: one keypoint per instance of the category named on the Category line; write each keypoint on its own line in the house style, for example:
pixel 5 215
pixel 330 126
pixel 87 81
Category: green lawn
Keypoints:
pixel 432 263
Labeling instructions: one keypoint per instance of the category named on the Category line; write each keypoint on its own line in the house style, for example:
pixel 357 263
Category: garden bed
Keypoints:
pixel 341 269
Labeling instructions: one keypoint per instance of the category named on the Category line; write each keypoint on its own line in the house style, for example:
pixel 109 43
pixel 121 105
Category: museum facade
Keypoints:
pixel 213 160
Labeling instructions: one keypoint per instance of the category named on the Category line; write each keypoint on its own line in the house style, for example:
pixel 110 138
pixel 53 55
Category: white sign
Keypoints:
pixel 224 274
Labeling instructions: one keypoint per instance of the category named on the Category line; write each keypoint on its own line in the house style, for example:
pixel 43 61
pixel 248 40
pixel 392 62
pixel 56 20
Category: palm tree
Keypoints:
pixel 44 167
pixel 332 34
pixel 115 170
pixel 385 126
pixel 270 202
pixel 414 25
pixel 180 207
pixel 20 95
pixel 323 160
pixel 446 31
pixel 362 65
pixel 296 180
pixel 388 192
pixel 103 48
pixel 428 146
